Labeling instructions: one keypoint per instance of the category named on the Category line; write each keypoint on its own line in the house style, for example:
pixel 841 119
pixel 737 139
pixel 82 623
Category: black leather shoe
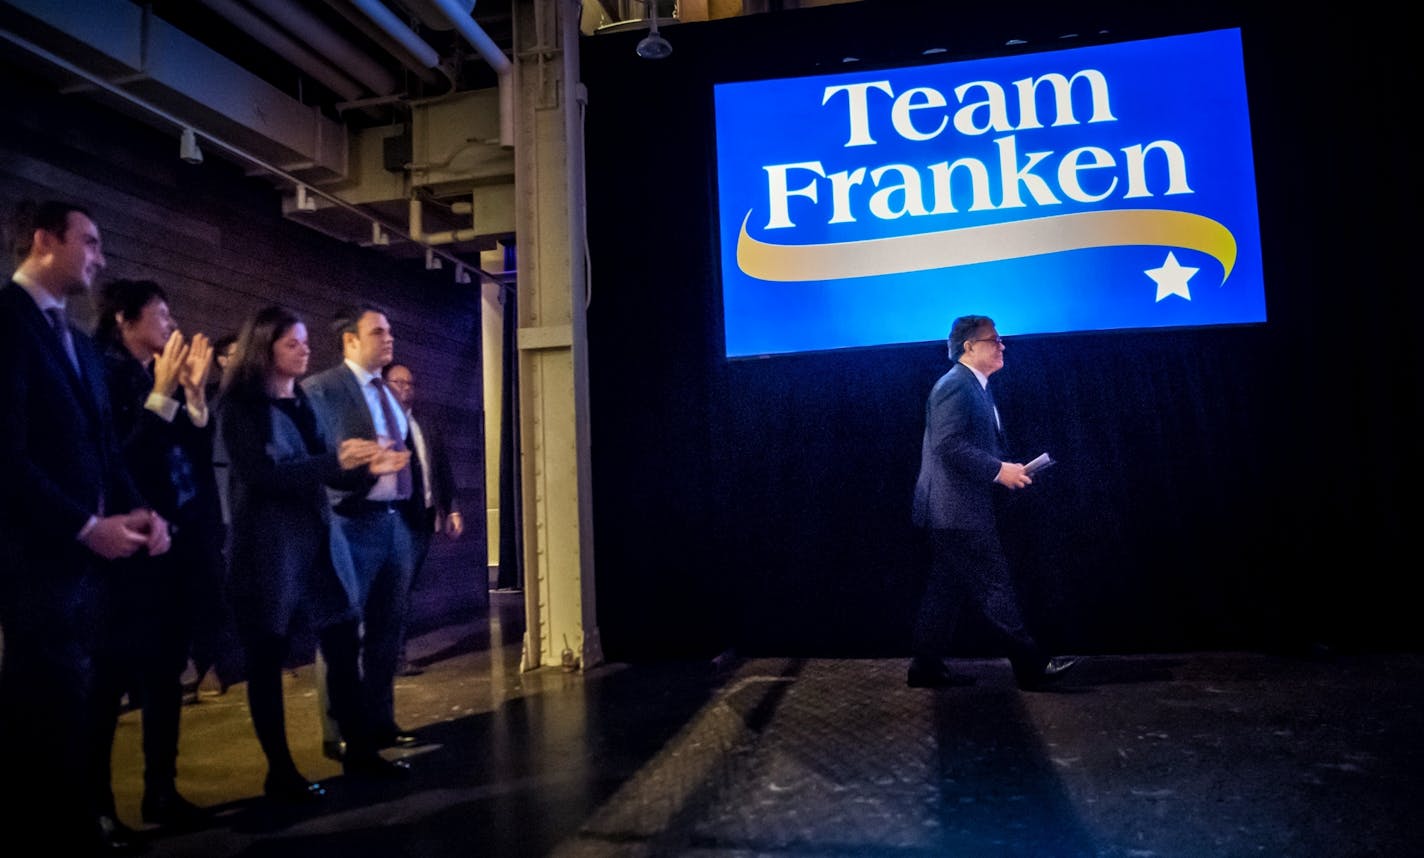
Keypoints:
pixel 927 673
pixel 115 838
pixel 394 737
pixel 1048 675
pixel 167 808
pixel 370 764
pixel 292 788
pixel 333 749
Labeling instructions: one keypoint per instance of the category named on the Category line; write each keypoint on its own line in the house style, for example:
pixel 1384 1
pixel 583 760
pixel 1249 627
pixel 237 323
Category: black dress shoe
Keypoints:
pixel 393 737
pixel 1051 672
pixel 115 838
pixel 292 788
pixel 927 673
pixel 333 749
pixel 167 808
pixel 370 764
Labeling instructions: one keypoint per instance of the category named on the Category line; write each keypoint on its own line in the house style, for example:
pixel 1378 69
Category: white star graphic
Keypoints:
pixel 1171 278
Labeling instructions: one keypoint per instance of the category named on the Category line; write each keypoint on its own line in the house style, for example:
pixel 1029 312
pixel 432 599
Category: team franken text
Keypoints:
pixel 1006 179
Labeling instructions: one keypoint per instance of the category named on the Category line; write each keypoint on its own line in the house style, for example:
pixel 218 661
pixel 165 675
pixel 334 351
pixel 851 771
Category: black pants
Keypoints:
pixel 55 645
pixel 969 571
pixel 266 657
pixel 150 640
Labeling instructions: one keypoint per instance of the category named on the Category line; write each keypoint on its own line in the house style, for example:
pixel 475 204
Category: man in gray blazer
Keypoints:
pixel 962 468
pixel 353 401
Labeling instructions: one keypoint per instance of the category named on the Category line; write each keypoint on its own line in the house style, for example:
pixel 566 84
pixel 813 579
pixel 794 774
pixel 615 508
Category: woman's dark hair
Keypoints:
pixel 125 298
pixel 251 366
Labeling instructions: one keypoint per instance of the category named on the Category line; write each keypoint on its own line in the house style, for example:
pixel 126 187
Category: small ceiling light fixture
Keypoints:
pixel 653 46
pixel 188 147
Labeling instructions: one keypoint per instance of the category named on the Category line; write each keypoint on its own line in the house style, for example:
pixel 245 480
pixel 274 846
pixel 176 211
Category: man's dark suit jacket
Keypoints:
pixel 57 436
pixel 337 397
pixel 960 456
pixel 64 466
pixel 442 478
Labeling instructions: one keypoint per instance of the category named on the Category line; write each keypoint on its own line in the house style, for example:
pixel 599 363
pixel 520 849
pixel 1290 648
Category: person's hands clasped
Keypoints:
pixel 389 461
pixel 116 536
pixel 355 452
pixel 160 538
pixel 168 365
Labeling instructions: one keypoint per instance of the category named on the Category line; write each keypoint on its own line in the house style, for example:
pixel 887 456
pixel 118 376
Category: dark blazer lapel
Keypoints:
pixel 361 412
pixel 96 394
pixel 82 389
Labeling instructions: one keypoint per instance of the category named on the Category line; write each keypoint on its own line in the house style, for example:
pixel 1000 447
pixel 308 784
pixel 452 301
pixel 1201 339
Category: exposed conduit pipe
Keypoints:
pixel 329 44
pixel 234 151
pixel 417 228
pixel 412 50
pixel 486 48
pixel 284 45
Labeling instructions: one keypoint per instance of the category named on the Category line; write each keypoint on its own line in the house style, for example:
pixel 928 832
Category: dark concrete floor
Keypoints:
pixel 1148 756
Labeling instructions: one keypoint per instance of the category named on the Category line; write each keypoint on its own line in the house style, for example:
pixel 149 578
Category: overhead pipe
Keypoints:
pixel 449 236
pixel 381 24
pixel 304 190
pixel 329 44
pixel 465 24
pixel 297 55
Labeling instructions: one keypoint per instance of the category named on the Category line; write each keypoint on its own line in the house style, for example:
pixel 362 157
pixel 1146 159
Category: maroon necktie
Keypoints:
pixel 403 475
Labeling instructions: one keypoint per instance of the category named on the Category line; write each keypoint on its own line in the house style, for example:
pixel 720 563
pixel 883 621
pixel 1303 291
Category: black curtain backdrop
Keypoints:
pixel 1234 487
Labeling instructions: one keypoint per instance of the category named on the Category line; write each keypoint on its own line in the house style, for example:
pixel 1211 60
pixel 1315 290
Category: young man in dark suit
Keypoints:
pixel 353 402
pixel 69 508
pixel 962 469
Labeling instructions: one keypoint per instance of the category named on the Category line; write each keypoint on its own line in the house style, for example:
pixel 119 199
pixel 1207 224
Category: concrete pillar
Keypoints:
pixel 561 627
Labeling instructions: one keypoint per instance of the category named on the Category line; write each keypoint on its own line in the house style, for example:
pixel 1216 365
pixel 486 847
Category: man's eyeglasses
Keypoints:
pixel 998 341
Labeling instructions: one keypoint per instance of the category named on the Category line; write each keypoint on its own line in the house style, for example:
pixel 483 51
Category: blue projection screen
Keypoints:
pixel 1093 188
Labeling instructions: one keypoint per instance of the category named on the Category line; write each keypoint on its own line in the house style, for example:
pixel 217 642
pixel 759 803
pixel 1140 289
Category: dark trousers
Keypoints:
pixel 422 531
pixel 382 553
pixel 55 645
pixel 266 658
pixel 216 646
pixel 969 571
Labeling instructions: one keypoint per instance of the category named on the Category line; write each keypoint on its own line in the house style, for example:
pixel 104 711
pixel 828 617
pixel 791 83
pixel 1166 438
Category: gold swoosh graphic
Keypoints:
pixel 991 243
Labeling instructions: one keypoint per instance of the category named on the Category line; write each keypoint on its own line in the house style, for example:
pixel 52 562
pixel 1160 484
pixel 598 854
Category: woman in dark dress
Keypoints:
pixel 289 565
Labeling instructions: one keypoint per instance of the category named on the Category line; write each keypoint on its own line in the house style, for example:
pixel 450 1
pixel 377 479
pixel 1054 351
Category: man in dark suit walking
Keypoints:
pixel 354 402
pixel 962 469
pixel 431 508
pixel 69 507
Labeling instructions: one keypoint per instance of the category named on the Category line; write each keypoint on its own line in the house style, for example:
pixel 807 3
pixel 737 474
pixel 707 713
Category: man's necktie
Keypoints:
pixel 403 475
pixel 61 330
pixel 998 425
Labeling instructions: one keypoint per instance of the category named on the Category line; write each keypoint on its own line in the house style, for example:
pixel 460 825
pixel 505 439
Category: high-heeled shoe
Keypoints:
pixel 292 788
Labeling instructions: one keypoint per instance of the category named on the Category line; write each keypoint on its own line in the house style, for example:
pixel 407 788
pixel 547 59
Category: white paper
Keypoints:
pixel 1038 464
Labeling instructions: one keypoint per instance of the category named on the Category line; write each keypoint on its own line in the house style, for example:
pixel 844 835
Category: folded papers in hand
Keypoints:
pixel 1038 464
